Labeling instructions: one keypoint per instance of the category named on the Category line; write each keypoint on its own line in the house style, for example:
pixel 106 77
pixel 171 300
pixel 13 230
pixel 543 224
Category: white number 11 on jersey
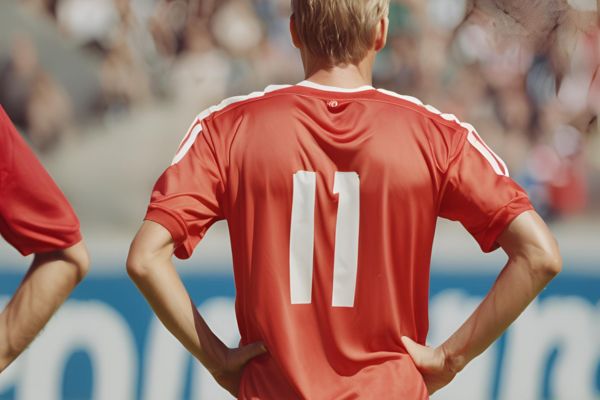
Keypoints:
pixel 347 185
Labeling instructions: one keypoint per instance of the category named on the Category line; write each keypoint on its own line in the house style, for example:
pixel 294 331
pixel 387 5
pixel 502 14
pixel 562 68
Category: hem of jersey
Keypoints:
pixel 326 88
pixel 49 248
pixel 501 220
pixel 171 223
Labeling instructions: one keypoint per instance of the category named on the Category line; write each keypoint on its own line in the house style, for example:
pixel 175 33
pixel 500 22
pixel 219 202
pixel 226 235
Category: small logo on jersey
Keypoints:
pixel 332 103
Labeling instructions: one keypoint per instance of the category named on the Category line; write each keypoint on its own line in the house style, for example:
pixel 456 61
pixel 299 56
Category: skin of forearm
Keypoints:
pixel 163 289
pixel 46 286
pixel 516 286
pixel 150 266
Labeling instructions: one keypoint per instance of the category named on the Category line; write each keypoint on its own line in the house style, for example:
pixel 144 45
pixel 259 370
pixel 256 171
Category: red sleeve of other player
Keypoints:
pixel 35 216
pixel 478 192
pixel 186 198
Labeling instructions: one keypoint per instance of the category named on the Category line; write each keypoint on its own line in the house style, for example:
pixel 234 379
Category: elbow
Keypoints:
pixel 79 258
pixel 548 262
pixel 553 265
pixel 83 265
pixel 137 265
pixel 149 250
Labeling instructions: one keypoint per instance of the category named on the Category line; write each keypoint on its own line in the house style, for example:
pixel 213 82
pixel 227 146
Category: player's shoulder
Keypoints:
pixel 445 133
pixel 8 133
pixel 242 102
pixel 415 108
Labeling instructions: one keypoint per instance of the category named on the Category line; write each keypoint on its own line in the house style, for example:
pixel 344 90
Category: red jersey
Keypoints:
pixel 332 197
pixel 35 217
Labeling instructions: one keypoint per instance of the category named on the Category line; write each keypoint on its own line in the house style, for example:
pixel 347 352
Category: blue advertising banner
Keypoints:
pixel 106 344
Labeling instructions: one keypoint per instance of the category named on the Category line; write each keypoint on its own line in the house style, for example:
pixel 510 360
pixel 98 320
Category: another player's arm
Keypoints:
pixel 150 266
pixel 534 260
pixel 49 281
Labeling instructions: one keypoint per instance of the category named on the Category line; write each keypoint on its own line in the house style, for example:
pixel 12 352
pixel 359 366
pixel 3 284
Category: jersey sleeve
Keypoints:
pixel 478 192
pixel 187 198
pixel 35 216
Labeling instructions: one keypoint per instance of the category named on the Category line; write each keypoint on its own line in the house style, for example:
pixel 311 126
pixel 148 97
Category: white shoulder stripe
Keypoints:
pixel 485 153
pixel 488 148
pixel 189 141
pixel 196 127
pixel 473 137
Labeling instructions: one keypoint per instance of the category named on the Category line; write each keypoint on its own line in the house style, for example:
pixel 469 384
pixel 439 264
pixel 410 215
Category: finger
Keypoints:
pixel 410 345
pixel 414 349
pixel 250 351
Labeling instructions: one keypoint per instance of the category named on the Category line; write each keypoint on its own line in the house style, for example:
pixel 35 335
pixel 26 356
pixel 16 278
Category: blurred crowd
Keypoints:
pixel 524 73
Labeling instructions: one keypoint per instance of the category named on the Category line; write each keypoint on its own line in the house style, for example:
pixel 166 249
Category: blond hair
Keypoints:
pixel 339 32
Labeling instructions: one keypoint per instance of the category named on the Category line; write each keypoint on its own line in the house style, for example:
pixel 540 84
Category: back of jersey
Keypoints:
pixel 331 197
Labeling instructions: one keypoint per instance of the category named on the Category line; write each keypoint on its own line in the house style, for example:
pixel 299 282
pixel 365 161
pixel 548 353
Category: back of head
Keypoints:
pixel 339 32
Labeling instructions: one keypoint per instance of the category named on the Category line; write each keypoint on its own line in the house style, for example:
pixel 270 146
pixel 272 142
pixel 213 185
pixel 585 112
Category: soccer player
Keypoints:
pixel 331 190
pixel 36 219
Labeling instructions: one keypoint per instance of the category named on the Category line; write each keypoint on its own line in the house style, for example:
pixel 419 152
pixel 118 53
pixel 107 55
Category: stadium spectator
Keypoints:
pixel 520 71
pixel 33 98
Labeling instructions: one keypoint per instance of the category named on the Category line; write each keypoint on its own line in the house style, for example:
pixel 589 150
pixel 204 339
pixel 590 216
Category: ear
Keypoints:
pixel 295 38
pixel 381 33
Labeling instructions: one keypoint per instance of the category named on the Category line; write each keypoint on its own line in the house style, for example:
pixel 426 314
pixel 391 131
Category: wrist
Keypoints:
pixel 453 361
pixel 216 360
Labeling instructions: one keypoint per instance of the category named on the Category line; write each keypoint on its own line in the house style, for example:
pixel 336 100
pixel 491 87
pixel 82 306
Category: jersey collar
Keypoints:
pixel 326 88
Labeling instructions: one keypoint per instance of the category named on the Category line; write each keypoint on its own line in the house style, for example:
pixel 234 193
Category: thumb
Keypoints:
pixel 415 350
pixel 252 350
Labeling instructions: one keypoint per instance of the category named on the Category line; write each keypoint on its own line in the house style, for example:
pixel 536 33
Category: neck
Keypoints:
pixel 347 76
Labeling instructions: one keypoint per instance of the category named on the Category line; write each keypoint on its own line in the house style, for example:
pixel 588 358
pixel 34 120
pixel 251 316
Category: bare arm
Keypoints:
pixel 49 281
pixel 533 261
pixel 150 266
